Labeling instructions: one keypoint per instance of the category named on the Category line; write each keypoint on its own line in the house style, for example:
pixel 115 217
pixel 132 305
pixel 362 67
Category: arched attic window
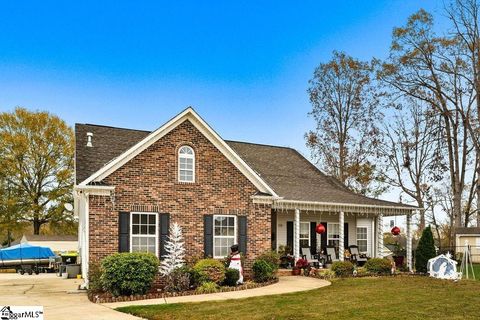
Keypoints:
pixel 186 164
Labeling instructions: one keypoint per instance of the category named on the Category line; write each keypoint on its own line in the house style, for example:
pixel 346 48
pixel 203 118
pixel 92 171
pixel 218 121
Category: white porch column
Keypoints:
pixel 341 245
pixel 409 243
pixel 296 235
pixel 379 239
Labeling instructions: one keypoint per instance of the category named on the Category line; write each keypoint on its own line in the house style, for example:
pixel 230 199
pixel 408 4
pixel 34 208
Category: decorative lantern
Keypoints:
pixel 395 231
pixel 320 228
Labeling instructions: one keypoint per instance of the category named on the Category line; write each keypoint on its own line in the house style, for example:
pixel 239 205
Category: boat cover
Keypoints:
pixel 25 251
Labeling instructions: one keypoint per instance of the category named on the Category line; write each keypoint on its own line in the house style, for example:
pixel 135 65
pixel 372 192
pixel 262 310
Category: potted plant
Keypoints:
pixel 302 264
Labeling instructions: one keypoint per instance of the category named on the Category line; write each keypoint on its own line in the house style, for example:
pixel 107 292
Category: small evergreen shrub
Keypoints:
pixel 378 266
pixel 207 287
pixel 178 280
pixel 129 273
pixel 342 268
pixel 425 250
pixel 209 270
pixel 95 277
pixel 231 277
pixel 272 257
pixel 262 271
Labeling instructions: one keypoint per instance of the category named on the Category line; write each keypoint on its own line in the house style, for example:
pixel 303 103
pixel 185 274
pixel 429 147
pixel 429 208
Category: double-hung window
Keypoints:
pixel 224 234
pixel 304 235
pixel 362 239
pixel 144 232
pixel 186 164
pixel 333 234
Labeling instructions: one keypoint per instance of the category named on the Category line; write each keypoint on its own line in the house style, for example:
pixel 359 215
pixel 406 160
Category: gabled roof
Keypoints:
pixel 188 114
pixel 278 171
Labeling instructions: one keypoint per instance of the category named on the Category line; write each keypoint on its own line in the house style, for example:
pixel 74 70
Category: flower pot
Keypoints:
pixel 296 272
pixel 398 260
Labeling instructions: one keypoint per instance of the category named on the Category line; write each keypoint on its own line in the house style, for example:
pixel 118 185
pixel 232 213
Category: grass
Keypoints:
pixel 361 298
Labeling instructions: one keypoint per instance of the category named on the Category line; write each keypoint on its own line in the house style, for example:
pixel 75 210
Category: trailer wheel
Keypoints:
pixel 37 271
pixel 30 272
pixel 22 272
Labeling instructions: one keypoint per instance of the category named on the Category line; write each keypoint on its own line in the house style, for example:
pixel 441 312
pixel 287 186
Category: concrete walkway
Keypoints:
pixel 59 297
pixel 285 285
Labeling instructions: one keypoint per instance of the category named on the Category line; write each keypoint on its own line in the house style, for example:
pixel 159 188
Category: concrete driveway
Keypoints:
pixel 59 297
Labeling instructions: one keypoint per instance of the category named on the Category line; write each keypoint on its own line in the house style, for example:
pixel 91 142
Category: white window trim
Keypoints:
pixel 216 237
pixel 329 224
pixel 188 156
pixel 157 247
pixel 309 238
pixel 366 234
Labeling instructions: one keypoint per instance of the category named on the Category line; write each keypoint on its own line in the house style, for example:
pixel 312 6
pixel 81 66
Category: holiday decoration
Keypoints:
pixel 320 228
pixel 395 231
pixel 175 251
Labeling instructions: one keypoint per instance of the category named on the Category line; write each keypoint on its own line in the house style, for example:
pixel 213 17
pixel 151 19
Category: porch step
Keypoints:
pixel 284 272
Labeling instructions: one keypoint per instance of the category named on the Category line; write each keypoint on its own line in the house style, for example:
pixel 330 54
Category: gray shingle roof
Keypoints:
pixel 284 169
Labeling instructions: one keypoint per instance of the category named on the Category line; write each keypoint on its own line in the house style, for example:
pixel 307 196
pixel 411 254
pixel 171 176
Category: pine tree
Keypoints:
pixel 175 251
pixel 425 250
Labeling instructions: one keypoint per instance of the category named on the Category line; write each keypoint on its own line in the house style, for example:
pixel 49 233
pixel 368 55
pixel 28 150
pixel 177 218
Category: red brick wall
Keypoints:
pixel 149 183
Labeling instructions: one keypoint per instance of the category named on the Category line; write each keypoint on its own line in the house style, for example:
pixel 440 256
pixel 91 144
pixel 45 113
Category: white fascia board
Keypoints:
pixel 95 190
pixel 204 128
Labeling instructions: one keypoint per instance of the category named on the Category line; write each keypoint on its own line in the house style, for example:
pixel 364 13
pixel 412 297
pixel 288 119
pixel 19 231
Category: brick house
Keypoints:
pixel 131 184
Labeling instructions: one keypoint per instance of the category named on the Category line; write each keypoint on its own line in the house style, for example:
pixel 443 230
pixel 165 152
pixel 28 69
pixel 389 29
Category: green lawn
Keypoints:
pixel 361 298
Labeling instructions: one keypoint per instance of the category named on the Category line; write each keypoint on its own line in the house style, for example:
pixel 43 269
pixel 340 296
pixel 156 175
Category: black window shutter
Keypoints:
pixel 290 235
pixel 345 233
pixel 242 234
pixel 164 230
pixel 313 238
pixel 323 242
pixel 124 232
pixel 208 235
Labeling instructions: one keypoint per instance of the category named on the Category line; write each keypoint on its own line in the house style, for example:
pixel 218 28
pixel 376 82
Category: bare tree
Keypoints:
pixel 430 69
pixel 346 111
pixel 410 150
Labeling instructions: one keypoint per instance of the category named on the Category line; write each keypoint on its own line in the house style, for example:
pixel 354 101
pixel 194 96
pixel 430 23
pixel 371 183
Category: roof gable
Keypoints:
pixel 190 115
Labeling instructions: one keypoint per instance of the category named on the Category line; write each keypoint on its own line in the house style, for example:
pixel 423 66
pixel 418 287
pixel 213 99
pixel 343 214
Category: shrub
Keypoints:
pixel 378 266
pixel 325 274
pixel 95 277
pixel 129 273
pixel 231 277
pixel 342 268
pixel 178 280
pixel 272 257
pixel 210 270
pixel 425 250
pixel 207 287
pixel 361 271
pixel 262 271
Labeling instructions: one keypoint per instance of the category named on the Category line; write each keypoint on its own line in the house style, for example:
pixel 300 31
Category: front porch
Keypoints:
pixel 294 225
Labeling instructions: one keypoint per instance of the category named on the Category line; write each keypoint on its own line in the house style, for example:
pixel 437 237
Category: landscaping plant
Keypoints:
pixel 378 266
pixel 425 250
pixel 342 268
pixel 262 271
pixel 208 287
pixel 129 273
pixel 178 280
pixel 231 277
pixel 272 257
pixel 209 270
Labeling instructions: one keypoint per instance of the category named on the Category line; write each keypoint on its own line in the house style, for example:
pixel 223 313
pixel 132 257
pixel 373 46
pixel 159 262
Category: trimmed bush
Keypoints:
pixel 378 266
pixel 207 287
pixel 95 277
pixel 262 271
pixel 272 257
pixel 209 270
pixel 178 280
pixel 425 250
pixel 231 277
pixel 129 273
pixel 342 268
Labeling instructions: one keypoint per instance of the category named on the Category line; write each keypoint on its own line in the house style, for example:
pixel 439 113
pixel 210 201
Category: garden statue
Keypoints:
pixel 236 262
pixel 443 267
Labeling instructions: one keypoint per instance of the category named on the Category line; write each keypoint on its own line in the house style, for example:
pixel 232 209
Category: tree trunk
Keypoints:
pixel 36 226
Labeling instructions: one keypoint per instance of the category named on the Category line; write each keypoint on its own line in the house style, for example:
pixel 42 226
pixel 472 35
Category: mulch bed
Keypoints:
pixel 103 297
